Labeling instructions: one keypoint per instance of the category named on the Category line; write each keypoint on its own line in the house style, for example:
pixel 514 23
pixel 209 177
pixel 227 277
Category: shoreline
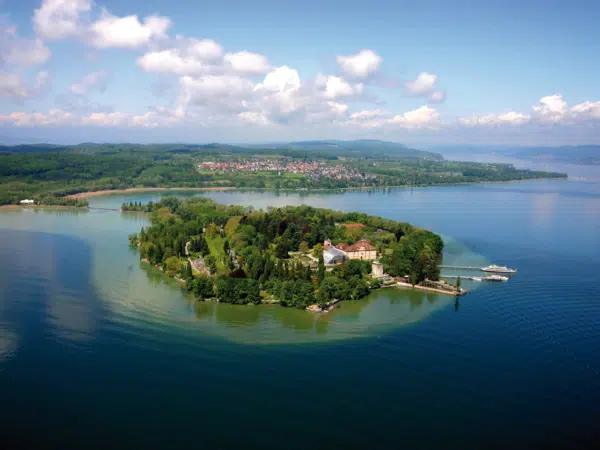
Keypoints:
pixel 429 289
pixel 88 194
pixel 145 189
pixel 17 207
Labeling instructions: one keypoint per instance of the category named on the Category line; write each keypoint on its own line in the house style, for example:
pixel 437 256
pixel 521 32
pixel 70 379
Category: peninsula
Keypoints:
pixel 66 175
pixel 300 257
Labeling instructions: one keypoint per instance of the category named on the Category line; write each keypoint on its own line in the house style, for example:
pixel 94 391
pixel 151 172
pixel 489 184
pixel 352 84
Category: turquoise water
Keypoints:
pixel 98 350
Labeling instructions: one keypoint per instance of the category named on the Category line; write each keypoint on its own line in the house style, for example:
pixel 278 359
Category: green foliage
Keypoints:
pixel 201 287
pixel 239 291
pixel 293 293
pixel 353 268
pixel 321 269
pixel 172 265
pixel 417 255
pixel 256 255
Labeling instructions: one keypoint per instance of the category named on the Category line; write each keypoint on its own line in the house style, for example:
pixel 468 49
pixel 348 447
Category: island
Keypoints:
pixel 66 175
pixel 303 257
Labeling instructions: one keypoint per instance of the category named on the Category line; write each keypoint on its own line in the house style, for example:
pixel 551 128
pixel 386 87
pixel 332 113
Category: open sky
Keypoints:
pixel 431 71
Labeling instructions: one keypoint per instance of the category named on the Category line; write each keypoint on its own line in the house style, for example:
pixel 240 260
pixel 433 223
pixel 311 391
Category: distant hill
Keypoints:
pixel 31 148
pixel 581 154
pixel 327 149
pixel 364 146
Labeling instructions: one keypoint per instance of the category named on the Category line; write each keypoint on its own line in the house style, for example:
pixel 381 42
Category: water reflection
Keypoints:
pixel 141 296
pixel 381 310
pixel 48 274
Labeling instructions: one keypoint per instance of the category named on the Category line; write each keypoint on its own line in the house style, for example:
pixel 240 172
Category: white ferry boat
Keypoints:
pixel 498 269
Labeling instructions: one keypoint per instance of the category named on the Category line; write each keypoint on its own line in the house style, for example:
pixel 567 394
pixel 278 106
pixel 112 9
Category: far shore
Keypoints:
pixel 145 189
pixel 15 207
pixel 232 188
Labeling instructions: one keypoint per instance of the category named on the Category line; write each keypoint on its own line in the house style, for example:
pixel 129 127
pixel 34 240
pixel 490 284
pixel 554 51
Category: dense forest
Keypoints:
pixel 238 255
pixel 46 173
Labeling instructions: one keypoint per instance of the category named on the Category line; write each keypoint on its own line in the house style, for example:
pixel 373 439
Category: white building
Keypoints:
pixel 377 269
pixel 333 256
pixel 27 202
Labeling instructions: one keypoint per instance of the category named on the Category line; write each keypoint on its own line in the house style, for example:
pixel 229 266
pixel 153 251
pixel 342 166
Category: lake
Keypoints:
pixel 98 350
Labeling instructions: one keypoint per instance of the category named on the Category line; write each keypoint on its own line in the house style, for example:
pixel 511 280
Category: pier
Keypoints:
pixel 460 267
pixel 473 278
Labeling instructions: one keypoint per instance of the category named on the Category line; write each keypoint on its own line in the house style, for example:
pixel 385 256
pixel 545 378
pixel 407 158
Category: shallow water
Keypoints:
pixel 97 349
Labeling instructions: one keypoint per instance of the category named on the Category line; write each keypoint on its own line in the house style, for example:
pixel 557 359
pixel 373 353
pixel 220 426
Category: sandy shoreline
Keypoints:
pixel 231 188
pixel 15 207
pixel 148 189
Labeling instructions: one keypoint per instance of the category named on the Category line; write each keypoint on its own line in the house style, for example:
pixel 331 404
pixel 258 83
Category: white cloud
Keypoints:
pixel 171 61
pixel 58 19
pixel 95 81
pixel 553 108
pixel 113 119
pixel 194 57
pixel 423 84
pixel 247 62
pixel 42 81
pixel 509 118
pixel 280 79
pixel 220 92
pixel 437 97
pixel 362 65
pixel 59 117
pixel 586 110
pixel 13 86
pixel 369 114
pixel 54 117
pixel 18 51
pixel 255 118
pixel 204 49
pixel 126 32
pixel 335 87
pixel 423 117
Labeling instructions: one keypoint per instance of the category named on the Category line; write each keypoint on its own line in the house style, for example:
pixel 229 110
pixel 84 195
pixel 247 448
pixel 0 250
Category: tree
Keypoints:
pixel 201 287
pixel 211 264
pixel 282 249
pixel 458 283
pixel 226 247
pixel 303 247
pixel 172 265
pixel 321 269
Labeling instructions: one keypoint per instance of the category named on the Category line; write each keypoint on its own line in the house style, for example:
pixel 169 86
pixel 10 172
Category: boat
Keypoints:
pixel 498 269
pixel 478 279
pixel 496 278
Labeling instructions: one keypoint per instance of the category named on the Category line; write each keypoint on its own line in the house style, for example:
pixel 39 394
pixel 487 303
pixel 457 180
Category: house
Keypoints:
pixel 27 202
pixel 333 256
pixel 361 250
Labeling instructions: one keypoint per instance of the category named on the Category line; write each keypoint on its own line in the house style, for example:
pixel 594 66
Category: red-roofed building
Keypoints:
pixel 353 225
pixel 359 250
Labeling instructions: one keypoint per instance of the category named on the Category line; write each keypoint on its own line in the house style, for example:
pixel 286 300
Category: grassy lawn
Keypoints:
pixel 215 245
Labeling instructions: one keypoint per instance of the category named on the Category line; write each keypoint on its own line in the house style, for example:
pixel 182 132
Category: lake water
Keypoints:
pixel 100 351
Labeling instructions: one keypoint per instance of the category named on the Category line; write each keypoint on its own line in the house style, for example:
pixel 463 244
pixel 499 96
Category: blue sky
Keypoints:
pixel 481 72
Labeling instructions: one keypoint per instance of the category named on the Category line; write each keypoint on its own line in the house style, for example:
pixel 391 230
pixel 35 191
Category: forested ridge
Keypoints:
pixel 238 255
pixel 47 173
